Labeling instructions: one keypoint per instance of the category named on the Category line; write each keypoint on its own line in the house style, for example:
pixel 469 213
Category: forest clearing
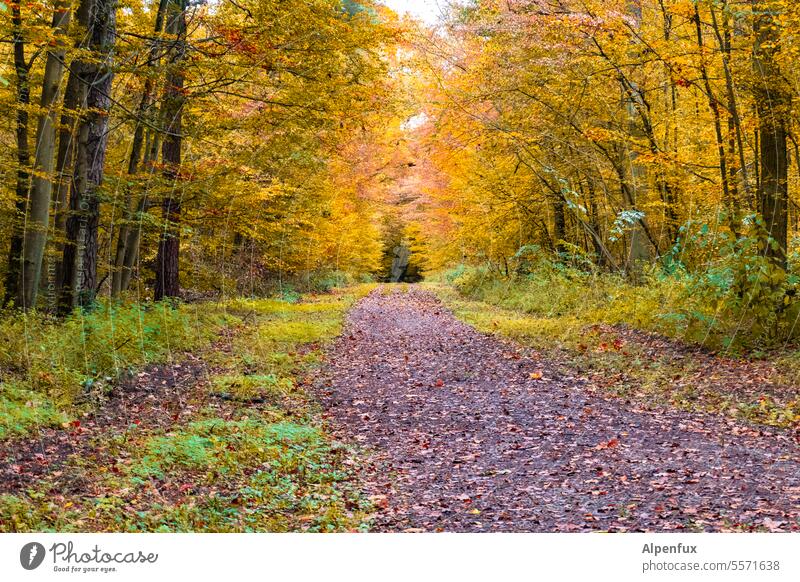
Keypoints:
pixel 328 266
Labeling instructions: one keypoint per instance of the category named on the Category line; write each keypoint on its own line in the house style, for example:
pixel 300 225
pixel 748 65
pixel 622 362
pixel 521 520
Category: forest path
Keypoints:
pixel 469 432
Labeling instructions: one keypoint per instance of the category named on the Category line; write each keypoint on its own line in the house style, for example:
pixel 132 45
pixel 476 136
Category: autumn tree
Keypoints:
pixel 773 102
pixel 192 142
pixel 38 206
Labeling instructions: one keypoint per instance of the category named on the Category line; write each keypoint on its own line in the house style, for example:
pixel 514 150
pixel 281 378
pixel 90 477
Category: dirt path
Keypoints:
pixel 471 433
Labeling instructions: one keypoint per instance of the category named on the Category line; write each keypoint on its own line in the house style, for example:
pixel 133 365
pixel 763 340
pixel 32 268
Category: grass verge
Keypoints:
pixel 615 349
pixel 235 445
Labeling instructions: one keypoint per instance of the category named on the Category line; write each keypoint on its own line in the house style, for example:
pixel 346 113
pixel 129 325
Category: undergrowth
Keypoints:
pixel 251 456
pixel 72 363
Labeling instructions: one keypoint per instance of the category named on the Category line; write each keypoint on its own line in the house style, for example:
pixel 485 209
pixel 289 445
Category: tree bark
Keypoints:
pixel 167 259
pixel 772 102
pixel 559 223
pixel 38 215
pixel 23 97
pixel 65 161
pixel 95 77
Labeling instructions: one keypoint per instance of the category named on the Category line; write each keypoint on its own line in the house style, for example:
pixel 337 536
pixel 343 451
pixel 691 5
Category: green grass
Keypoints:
pixel 267 386
pixel 231 466
pixel 560 304
pixel 287 476
pixel 23 410
pixel 217 446
pixel 69 365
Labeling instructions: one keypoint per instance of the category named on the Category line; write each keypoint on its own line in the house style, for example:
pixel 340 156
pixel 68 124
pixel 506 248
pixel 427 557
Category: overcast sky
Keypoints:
pixel 426 10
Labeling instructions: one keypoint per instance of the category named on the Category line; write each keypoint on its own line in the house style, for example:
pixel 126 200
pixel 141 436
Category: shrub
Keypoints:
pixel 741 301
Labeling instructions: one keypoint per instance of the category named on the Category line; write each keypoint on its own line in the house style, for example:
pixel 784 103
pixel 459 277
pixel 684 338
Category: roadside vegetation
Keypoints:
pixel 208 426
pixel 664 341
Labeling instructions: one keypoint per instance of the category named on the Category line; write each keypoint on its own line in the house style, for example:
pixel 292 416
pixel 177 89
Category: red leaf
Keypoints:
pixel 609 445
pixel 379 501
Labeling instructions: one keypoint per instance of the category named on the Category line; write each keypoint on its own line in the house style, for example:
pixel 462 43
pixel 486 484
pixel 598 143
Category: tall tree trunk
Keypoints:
pixel 151 146
pixel 735 139
pixel 65 162
pixel 713 104
pixel 559 223
pixel 38 215
pixel 21 68
pixel 772 101
pixel 129 234
pixel 602 254
pixel 167 259
pixel 96 76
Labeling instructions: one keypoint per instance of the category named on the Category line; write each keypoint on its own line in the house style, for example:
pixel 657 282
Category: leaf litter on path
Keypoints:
pixel 468 432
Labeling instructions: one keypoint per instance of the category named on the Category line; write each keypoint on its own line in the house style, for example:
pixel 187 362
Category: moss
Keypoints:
pixel 268 386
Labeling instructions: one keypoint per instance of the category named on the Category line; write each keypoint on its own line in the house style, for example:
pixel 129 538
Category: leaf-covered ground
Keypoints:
pixel 469 432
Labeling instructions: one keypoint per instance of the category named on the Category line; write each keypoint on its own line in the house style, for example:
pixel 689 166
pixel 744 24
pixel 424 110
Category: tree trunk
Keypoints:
pixel 713 104
pixel 21 68
pixel 772 102
pixel 130 232
pixel 38 215
pixel 167 267
pixel 96 76
pixel 602 254
pixel 735 139
pixel 167 259
pixel 559 223
pixel 65 161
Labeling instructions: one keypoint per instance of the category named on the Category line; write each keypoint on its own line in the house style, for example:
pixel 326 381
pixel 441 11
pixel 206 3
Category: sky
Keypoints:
pixel 426 10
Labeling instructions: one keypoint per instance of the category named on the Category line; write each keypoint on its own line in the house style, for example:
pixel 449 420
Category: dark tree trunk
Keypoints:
pixel 167 280
pixel 774 192
pixel 65 160
pixel 21 68
pixel 773 102
pixel 167 259
pixel 559 223
pixel 96 78
pixel 37 217
pixel 599 250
